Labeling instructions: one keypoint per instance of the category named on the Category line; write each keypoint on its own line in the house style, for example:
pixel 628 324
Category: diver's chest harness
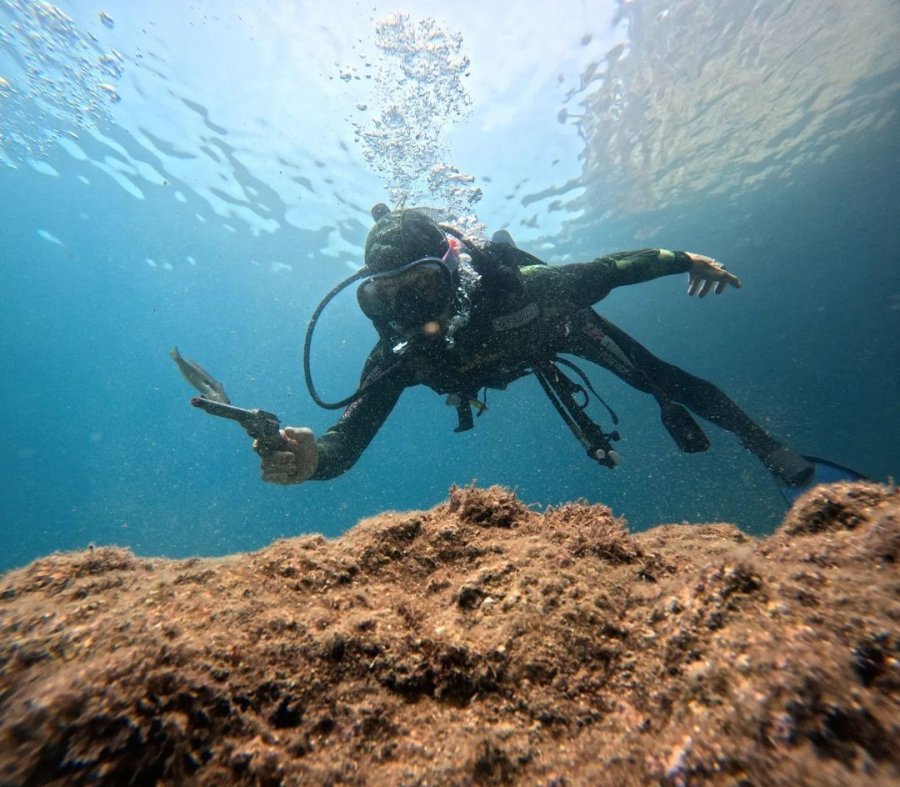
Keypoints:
pixel 504 292
pixel 467 392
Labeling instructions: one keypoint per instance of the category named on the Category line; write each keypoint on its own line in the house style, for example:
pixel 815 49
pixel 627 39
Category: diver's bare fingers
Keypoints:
pixel 698 286
pixel 297 434
pixel 278 478
pixel 275 459
pixel 704 288
pixel 283 467
pixel 294 462
pixel 280 474
pixel 726 278
pixel 265 451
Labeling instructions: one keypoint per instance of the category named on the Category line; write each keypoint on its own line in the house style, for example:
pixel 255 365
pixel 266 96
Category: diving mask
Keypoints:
pixel 409 296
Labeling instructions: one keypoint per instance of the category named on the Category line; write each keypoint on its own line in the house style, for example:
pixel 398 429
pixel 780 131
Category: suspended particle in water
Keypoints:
pixel 50 238
pixel 107 20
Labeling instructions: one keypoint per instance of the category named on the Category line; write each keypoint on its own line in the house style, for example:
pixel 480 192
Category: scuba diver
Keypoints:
pixel 461 317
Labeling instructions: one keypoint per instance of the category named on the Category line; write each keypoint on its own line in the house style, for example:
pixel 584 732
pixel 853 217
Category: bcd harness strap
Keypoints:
pixel 561 391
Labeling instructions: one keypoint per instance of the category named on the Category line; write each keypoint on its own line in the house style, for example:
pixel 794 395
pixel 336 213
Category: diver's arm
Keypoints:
pixel 305 458
pixel 343 443
pixel 584 283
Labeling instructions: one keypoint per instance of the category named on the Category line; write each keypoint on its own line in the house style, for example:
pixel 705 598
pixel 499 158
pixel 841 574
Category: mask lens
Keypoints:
pixel 372 301
pixel 411 296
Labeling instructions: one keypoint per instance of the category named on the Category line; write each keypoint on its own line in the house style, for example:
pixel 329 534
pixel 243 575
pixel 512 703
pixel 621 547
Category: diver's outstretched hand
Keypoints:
pixel 295 462
pixel 706 272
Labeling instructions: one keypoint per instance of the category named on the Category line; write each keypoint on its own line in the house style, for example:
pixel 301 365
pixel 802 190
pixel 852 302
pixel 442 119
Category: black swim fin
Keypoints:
pixel 685 431
pixel 825 473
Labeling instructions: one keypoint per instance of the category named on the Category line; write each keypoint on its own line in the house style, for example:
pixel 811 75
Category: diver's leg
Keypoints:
pixel 602 342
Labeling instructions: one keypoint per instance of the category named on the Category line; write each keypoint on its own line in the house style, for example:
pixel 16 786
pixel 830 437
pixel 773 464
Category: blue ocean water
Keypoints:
pixel 154 197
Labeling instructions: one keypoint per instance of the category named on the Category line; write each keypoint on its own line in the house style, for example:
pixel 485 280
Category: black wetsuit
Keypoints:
pixel 522 312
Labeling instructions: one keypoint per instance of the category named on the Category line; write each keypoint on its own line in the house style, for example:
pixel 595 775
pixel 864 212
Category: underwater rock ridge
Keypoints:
pixel 477 643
